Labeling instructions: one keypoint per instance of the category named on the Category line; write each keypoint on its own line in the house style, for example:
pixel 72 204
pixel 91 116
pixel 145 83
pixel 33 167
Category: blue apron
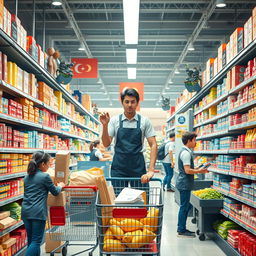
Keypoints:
pixel 128 159
pixel 93 157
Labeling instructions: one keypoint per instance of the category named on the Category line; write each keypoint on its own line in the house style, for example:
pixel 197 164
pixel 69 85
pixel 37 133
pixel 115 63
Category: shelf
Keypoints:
pixel 42 128
pixel 243 107
pixel 242 85
pixel 11 228
pixel 243 151
pixel 211 120
pixel 239 222
pixel 213 103
pixel 213 135
pixel 32 150
pixel 12 176
pixel 21 252
pixel 224 245
pixel 216 170
pixel 210 152
pixel 240 175
pixel 72 165
pixel 246 54
pixel 242 126
pixel 236 197
pixel 171 117
pixel 10 200
pixel 18 55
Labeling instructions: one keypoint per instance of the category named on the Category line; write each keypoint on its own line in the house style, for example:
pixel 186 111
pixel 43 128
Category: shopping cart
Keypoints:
pixel 76 221
pixel 131 229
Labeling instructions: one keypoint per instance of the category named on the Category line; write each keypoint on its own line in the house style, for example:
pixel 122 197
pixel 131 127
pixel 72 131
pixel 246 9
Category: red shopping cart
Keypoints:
pixel 131 229
pixel 76 221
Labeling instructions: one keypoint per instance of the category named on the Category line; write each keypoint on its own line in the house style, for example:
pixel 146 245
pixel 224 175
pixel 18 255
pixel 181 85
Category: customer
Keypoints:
pixel 168 161
pixel 185 181
pixel 96 154
pixel 129 131
pixel 37 184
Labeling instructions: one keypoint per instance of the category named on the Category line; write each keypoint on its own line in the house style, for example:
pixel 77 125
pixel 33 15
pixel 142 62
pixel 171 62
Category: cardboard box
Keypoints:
pixel 1 14
pixel 86 102
pixel 209 69
pixel 238 40
pixel 4 214
pixel 4 238
pixel 254 23
pixel 4 67
pixel 59 200
pixel 215 66
pixel 62 166
pixel 50 244
pixel 7 222
pixel 237 76
pixel 7 244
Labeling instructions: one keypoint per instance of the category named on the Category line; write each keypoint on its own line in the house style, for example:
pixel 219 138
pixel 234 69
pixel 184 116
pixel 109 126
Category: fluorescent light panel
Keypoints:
pixel 56 2
pixel 131 73
pixel 131 9
pixel 131 56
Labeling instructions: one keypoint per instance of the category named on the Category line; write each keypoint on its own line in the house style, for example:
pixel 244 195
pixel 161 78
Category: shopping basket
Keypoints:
pixel 76 221
pixel 131 229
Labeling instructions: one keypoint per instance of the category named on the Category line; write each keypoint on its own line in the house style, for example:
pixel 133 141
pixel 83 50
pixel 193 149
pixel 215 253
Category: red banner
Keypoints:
pixel 85 68
pixel 139 87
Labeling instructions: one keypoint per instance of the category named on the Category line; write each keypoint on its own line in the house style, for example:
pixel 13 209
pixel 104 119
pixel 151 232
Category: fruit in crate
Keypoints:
pixel 208 193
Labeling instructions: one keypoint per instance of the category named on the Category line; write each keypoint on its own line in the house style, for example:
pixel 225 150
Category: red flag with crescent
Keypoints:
pixel 85 68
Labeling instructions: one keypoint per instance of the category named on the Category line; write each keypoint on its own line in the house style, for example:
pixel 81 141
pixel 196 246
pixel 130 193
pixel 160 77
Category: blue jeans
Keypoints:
pixel 35 233
pixel 185 207
pixel 169 174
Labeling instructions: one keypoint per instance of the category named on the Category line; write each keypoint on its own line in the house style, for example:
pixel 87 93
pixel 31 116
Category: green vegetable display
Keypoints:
pixel 15 210
pixel 208 193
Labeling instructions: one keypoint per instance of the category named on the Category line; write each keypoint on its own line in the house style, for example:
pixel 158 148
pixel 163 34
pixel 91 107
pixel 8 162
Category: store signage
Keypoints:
pixel 85 68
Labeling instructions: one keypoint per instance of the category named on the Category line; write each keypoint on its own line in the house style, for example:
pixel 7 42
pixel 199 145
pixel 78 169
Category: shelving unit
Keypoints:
pixel 21 252
pixel 239 222
pixel 19 56
pixel 11 228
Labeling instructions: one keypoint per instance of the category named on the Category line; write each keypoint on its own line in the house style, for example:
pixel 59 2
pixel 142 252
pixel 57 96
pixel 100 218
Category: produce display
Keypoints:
pixel 15 210
pixel 208 193
pixel 126 234
pixel 222 227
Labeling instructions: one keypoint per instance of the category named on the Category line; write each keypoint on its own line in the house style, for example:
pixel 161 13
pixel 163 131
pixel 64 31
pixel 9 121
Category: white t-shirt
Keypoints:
pixel 169 147
pixel 98 154
pixel 186 156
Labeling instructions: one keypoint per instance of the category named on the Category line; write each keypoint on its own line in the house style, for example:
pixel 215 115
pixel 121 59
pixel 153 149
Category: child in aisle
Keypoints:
pixel 96 155
pixel 37 185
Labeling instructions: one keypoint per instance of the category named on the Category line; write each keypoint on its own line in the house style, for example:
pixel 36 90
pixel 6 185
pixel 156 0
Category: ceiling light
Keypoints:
pixel 131 9
pixel 102 87
pixel 105 93
pixel 191 47
pixel 110 104
pixel 57 2
pixel 167 87
pixel 170 81
pixel 220 3
pixel 81 47
pixel 131 56
pixel 131 73
pixel 99 81
pixel 177 71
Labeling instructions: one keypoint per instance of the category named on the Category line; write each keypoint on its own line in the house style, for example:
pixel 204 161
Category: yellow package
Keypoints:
pixel 111 245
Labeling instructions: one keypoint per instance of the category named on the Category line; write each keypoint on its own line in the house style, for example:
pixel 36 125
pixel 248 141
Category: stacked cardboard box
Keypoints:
pixel 254 23
pixel 86 102
pixel 209 69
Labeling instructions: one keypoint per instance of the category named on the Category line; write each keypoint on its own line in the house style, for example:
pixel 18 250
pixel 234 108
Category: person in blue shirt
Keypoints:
pixel 37 185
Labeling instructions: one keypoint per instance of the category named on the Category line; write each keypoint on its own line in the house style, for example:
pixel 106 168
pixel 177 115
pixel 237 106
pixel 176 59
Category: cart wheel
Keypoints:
pixel 193 220
pixel 198 232
pixel 90 253
pixel 201 237
pixel 64 251
pixel 51 254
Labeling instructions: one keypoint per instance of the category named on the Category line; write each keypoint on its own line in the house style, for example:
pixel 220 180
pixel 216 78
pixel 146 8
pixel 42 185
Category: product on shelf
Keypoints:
pixel 14 209
pixel 225 226
pixel 13 163
pixel 208 193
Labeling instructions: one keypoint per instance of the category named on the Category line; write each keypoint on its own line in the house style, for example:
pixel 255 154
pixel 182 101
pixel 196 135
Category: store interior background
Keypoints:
pixel 165 26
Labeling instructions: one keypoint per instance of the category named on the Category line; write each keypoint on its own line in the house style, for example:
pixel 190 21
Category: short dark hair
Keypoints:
pixel 130 92
pixel 171 135
pixel 188 136
pixel 37 158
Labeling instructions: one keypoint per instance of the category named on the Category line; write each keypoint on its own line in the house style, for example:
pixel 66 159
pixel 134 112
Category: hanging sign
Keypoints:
pixel 85 68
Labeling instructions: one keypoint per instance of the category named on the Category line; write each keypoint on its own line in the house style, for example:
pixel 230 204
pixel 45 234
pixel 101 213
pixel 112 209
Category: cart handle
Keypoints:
pixel 132 178
pixel 94 188
pixel 136 213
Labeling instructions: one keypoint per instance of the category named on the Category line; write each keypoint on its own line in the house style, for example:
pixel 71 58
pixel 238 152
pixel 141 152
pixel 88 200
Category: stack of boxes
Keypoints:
pixel 209 69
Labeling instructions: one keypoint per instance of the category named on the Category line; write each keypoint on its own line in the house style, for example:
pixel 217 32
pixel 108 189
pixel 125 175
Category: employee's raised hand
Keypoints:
pixel 104 118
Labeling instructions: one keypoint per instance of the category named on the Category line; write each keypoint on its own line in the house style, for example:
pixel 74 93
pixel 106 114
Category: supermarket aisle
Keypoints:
pixel 171 244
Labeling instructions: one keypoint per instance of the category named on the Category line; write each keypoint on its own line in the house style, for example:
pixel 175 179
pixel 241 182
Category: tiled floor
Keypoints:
pixel 171 244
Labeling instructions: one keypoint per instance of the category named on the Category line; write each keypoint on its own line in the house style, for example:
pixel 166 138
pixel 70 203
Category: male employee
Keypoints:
pixel 129 131
pixel 168 162
pixel 185 181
